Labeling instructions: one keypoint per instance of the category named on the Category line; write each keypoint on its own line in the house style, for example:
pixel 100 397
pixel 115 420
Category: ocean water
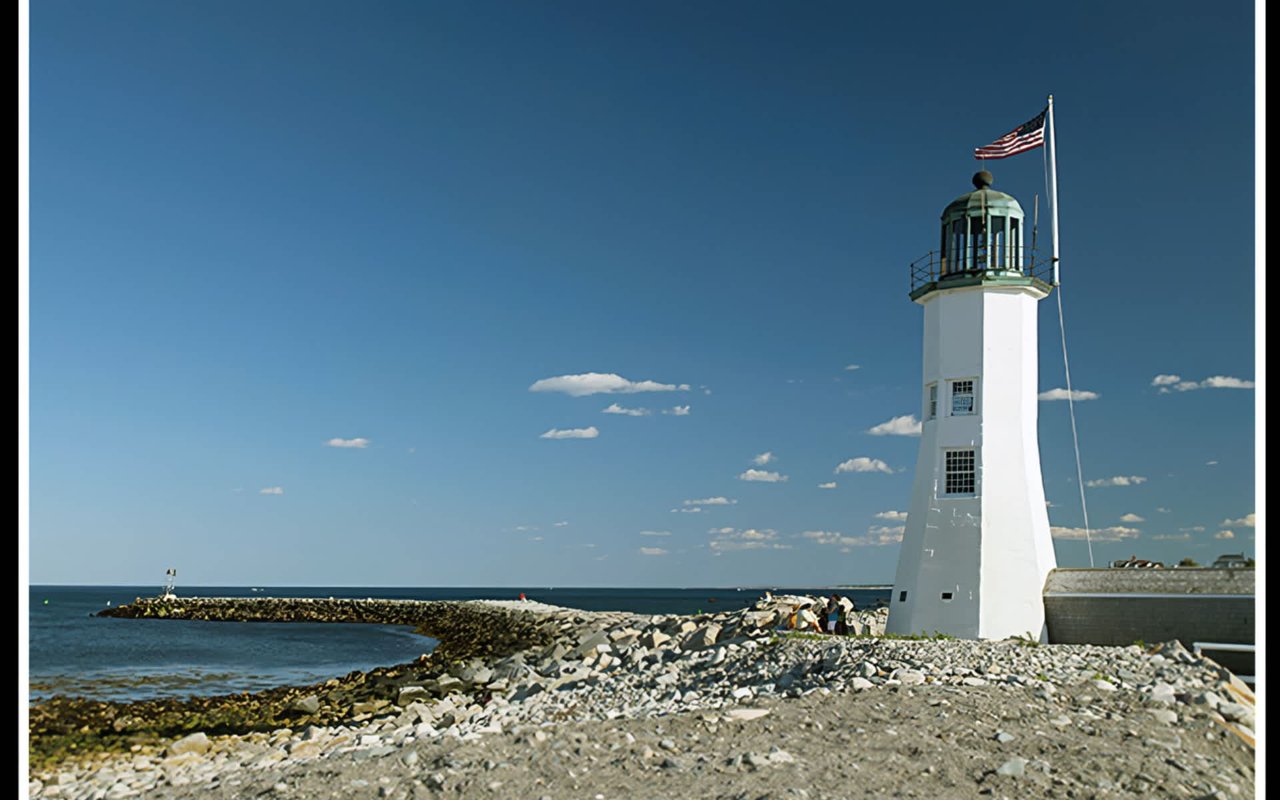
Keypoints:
pixel 75 653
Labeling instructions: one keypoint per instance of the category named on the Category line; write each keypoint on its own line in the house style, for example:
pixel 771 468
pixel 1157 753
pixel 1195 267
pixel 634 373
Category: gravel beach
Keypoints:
pixel 616 705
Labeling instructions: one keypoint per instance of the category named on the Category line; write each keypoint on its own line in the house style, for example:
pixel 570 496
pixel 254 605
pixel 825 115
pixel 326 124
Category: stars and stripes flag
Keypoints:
pixel 1027 136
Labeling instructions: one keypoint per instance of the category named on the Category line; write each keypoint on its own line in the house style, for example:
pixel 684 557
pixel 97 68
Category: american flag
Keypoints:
pixel 1025 137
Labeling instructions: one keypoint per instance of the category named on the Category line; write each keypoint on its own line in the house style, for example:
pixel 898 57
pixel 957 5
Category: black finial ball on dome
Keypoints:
pixel 983 179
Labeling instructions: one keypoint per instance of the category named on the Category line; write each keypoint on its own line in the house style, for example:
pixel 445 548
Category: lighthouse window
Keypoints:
pixel 933 401
pixel 962 398
pixel 997 248
pixel 1015 244
pixel 960 475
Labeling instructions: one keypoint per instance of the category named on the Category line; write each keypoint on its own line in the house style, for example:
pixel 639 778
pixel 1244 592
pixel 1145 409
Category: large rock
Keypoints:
pixel 1237 712
pixel 410 694
pixel 305 749
pixel 745 714
pixel 592 643
pixel 654 639
pixel 195 743
pixel 306 705
pixel 908 677
pixel 703 637
pixel 760 619
pixel 447 683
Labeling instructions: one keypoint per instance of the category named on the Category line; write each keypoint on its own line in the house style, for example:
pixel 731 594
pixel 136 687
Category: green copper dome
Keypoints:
pixel 983 201
pixel 983 241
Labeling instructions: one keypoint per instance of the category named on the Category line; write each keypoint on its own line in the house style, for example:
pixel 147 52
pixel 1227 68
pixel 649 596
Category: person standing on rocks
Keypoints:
pixel 833 614
pixel 847 609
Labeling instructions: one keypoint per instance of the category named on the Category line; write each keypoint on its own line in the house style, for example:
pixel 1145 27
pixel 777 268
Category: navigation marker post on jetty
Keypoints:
pixel 977 548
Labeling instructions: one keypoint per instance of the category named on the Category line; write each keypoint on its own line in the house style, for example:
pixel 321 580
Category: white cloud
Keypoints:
pixel 884 534
pixel 630 412
pixel 823 537
pixel 1225 535
pixel 601 383
pixel 1247 521
pixel 724 546
pixel 652 551
pixel 1132 518
pixel 828 485
pixel 358 442
pixel 764 458
pixel 678 411
pixel 271 490
pixel 535 538
pixel 1164 510
pixel 695 510
pixel 896 516
pixel 655 533
pixel 1225 382
pixel 851 367
pixel 730 539
pixel 711 501
pixel 876 536
pixel 906 425
pixel 1118 480
pixel 559 524
pixel 863 464
pixel 1115 533
pixel 762 475
pixel 571 433
pixel 1062 394
pixel 1172 537
pixel 1211 463
pixel 1194 529
pixel 1175 383
pixel 525 528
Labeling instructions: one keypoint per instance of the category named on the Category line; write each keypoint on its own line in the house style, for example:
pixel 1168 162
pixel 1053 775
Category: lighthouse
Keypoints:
pixel 977 549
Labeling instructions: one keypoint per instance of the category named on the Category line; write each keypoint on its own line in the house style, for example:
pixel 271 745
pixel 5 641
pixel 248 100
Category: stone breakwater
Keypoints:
pixel 603 700
pixel 465 630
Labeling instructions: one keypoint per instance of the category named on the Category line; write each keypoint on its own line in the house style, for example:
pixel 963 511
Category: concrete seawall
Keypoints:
pixel 1121 606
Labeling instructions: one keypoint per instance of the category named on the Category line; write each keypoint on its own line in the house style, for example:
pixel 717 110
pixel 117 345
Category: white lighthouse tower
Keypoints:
pixel 977 548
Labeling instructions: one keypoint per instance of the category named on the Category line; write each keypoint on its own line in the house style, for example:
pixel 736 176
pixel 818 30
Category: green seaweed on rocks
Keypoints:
pixel 63 727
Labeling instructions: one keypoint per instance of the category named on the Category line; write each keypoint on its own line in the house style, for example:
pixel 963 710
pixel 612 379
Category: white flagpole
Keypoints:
pixel 1053 188
pixel 1066 365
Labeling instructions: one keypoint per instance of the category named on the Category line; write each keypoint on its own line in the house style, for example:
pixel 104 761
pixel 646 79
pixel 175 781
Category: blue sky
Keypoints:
pixel 260 230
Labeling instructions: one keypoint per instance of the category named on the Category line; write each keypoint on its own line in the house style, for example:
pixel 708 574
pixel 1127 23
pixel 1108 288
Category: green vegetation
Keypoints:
pixel 1188 562
pixel 936 636
pixel 1026 640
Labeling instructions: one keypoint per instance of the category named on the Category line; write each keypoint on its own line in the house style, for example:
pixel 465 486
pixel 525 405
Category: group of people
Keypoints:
pixel 832 618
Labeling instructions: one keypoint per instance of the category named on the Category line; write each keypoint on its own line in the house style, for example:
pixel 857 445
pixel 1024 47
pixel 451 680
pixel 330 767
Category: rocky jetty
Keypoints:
pixel 591 703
